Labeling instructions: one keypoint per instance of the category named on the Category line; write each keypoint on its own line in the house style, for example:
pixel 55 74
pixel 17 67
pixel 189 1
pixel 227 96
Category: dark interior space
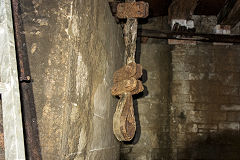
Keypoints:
pixel 120 80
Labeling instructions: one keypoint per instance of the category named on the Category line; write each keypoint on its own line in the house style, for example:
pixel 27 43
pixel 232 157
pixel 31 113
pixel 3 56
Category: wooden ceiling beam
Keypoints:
pixel 181 9
pixel 229 14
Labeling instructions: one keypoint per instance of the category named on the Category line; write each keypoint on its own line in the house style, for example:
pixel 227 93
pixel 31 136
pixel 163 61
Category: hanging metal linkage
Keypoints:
pixel 125 80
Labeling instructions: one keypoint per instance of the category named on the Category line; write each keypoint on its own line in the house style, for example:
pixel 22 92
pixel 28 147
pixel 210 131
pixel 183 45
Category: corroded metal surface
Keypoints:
pixel 126 85
pixel 132 10
pixel 11 108
pixel 33 150
pixel 125 79
pixel 124 124
pixel 130 70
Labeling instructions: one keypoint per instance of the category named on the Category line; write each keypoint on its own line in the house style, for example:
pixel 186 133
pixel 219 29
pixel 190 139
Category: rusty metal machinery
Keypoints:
pixel 30 127
pixel 126 81
pixel 132 10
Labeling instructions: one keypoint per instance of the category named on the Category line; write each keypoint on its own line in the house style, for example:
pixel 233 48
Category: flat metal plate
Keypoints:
pixel 133 10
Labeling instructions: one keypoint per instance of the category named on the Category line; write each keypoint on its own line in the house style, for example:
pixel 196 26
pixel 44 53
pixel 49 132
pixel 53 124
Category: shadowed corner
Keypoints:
pixel 215 146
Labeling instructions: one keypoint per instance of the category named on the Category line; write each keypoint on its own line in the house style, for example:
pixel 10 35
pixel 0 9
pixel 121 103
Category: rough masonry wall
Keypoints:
pixel 202 119
pixel 152 141
pixel 2 155
pixel 74 47
pixel 205 107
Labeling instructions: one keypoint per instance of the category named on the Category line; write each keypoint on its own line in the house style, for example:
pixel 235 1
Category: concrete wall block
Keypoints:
pixel 153 115
pixel 234 100
pixel 101 131
pixel 71 81
pixel 191 128
pixel 206 107
pixel 180 76
pixel 153 75
pixel 186 59
pixel 229 126
pixel 180 98
pixel 233 116
pixel 200 99
pixel 196 76
pixel 181 140
pixel 210 89
pixel 227 68
pixel 207 131
pixel 156 88
pixel 180 87
pixel 183 106
pixel 228 90
pixel 230 107
pixel 206 116
pixel 208 126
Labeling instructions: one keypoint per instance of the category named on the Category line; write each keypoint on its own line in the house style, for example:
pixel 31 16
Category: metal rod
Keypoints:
pixel 33 150
pixel 11 107
pixel 189 36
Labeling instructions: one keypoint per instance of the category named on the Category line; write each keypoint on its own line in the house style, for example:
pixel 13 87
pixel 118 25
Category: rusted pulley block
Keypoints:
pixel 126 85
pixel 132 10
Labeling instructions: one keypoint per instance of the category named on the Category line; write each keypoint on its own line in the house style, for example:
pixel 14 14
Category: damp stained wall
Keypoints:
pixel 205 102
pixel 152 141
pixel 192 105
pixel 74 47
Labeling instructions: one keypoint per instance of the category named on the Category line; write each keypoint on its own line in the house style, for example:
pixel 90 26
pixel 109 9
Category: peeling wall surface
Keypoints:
pixel 205 106
pixel 74 47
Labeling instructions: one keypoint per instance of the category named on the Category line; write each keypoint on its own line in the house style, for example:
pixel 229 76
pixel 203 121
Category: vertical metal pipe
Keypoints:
pixel 9 87
pixel 33 150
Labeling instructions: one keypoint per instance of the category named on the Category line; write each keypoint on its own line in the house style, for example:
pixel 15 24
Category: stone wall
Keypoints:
pixel 74 47
pixel 191 107
pixel 152 141
pixel 205 102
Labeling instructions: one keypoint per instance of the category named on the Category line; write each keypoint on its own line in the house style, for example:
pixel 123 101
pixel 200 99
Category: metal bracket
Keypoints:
pixel 25 79
pixel 133 10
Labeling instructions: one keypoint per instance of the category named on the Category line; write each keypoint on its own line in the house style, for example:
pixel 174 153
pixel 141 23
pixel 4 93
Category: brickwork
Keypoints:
pixel 153 106
pixel 205 101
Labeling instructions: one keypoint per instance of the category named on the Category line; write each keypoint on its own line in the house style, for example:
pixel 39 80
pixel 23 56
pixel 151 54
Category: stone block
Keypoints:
pixel 196 76
pixel 180 76
pixel 180 87
pixel 206 107
pixel 234 100
pixel 153 115
pixel 200 98
pixel 102 133
pixel 111 152
pixel 208 126
pixel 182 106
pixel 233 116
pixel 102 100
pixel 203 88
pixel 228 90
pixel 180 98
pixel 206 116
pixel 230 107
pixel 229 126
pixel 156 89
